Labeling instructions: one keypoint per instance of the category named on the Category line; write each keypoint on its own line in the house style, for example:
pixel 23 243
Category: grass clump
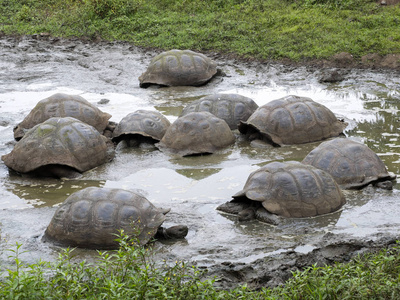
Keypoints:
pixel 273 29
pixel 130 273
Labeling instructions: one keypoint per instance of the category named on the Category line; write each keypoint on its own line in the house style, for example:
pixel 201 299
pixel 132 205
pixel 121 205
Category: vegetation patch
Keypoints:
pixel 273 29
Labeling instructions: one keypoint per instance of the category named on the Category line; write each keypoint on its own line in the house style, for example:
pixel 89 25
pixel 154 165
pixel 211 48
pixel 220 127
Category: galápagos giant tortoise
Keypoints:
pixel 285 189
pixel 141 126
pixel 59 147
pixel 352 164
pixel 92 217
pixel 292 120
pixel 63 105
pixel 232 108
pixel 178 68
pixel 196 133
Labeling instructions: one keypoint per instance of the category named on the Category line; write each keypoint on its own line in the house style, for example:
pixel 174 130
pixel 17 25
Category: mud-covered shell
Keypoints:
pixel 147 123
pixel 58 141
pixel 232 108
pixel 63 105
pixel 91 218
pixel 352 164
pixel 294 120
pixel 196 133
pixel 179 68
pixel 294 190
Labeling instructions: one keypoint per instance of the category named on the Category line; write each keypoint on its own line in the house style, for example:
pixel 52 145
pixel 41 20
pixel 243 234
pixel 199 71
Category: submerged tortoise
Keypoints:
pixel 178 68
pixel 196 133
pixel 285 189
pixel 59 147
pixel 92 217
pixel 232 108
pixel 63 105
pixel 292 120
pixel 353 165
pixel 141 126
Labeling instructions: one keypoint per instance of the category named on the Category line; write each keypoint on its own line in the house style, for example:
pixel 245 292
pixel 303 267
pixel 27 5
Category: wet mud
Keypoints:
pixel 106 74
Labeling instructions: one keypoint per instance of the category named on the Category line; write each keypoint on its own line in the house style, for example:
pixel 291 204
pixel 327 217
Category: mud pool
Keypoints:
pixel 106 74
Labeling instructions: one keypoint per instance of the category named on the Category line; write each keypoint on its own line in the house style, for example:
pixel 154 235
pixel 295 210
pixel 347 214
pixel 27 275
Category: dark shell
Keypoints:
pixel 232 108
pixel 353 165
pixel 142 122
pixel 179 68
pixel 59 141
pixel 196 133
pixel 91 217
pixel 293 120
pixel 63 105
pixel 293 190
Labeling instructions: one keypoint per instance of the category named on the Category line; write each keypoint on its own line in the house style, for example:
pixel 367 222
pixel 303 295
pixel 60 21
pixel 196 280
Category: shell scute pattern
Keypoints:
pixel 293 120
pixel 63 105
pixel 178 68
pixel 59 141
pixel 196 133
pixel 146 123
pixel 291 189
pixel 232 108
pixel 352 164
pixel 91 217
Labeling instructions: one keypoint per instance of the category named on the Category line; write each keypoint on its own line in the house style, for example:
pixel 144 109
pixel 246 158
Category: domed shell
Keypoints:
pixel 352 164
pixel 58 141
pixel 232 108
pixel 142 122
pixel 293 190
pixel 178 68
pixel 293 120
pixel 91 217
pixel 63 105
pixel 196 133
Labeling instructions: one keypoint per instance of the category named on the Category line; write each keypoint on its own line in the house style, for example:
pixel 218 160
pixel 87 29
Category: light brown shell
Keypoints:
pixel 147 123
pixel 293 120
pixel 63 105
pixel 58 141
pixel 293 190
pixel 91 217
pixel 232 108
pixel 196 133
pixel 352 164
pixel 178 68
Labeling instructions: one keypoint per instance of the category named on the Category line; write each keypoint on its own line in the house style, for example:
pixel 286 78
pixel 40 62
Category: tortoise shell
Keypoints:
pixel 293 190
pixel 352 164
pixel 232 108
pixel 146 123
pixel 293 120
pixel 91 218
pixel 59 141
pixel 196 133
pixel 63 105
pixel 178 68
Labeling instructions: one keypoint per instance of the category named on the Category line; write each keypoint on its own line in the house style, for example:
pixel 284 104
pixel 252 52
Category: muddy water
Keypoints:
pixel 106 74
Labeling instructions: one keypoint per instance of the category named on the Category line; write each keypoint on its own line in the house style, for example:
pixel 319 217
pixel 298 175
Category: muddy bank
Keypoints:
pixel 106 74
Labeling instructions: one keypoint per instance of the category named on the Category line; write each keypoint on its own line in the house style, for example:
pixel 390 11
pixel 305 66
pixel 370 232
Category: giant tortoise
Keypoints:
pixel 92 217
pixel 63 105
pixel 352 164
pixel 178 68
pixel 292 120
pixel 285 189
pixel 196 133
pixel 59 147
pixel 232 108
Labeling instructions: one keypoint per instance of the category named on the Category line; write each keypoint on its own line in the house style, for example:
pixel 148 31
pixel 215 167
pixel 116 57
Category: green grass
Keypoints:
pixel 260 29
pixel 130 273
